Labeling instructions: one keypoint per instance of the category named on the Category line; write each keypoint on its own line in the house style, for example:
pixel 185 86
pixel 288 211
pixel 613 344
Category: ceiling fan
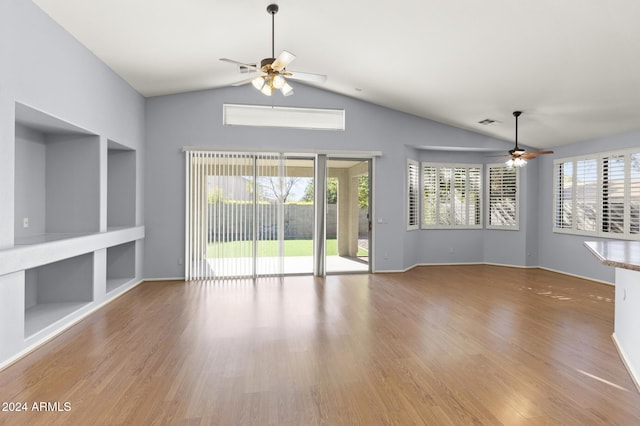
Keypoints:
pixel 517 156
pixel 273 70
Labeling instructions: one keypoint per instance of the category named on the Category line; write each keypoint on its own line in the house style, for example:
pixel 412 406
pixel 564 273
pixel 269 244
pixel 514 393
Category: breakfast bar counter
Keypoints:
pixel 625 257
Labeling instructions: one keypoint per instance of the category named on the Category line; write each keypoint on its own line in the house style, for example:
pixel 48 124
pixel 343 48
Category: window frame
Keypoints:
pixel 628 191
pixel 452 186
pixel 488 225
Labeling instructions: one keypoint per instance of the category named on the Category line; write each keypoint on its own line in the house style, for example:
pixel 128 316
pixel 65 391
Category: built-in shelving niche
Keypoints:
pixel 57 178
pixel 56 290
pixel 121 186
pixel 121 265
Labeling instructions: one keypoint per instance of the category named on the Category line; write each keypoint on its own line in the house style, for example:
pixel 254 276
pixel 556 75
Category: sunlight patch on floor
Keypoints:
pixel 606 382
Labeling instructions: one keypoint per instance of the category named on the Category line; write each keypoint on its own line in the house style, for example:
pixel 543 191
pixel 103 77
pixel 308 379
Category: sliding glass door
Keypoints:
pixel 252 215
pixel 348 213
pixel 248 215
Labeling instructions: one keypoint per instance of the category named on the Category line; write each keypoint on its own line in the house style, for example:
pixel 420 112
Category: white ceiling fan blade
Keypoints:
pixel 242 64
pixel 306 76
pixel 283 60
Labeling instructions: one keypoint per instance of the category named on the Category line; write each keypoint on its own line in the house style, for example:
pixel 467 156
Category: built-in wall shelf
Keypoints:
pixel 57 176
pixel 55 290
pixel 23 257
pixel 77 240
pixel 121 185
pixel 121 265
pixel 39 317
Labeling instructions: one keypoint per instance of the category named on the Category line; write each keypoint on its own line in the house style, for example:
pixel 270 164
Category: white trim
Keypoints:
pixel 516 226
pixel 283 117
pixel 438 166
pixel 626 196
pixel 635 377
pixel 42 340
pixel 497 264
pixel 576 276
pixel 285 151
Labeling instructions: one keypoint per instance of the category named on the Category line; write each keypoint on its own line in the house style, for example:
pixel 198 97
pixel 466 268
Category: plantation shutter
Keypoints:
pixel 413 188
pixel 451 196
pixel 445 200
pixel 430 196
pixel 474 196
pixel 503 197
pixel 634 194
pixel 563 195
pixel 586 195
pixel 613 194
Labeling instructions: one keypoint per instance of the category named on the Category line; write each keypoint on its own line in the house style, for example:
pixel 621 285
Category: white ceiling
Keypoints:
pixel 572 66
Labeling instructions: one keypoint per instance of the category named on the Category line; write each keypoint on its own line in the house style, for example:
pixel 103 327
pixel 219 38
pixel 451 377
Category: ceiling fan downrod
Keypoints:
pixel 516 114
pixel 273 9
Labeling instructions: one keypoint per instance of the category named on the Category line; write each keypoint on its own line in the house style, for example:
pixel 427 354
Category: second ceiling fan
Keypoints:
pixel 273 70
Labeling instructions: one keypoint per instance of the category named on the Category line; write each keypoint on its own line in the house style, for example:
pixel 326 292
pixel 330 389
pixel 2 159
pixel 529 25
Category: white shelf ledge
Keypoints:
pixel 41 250
pixel 115 283
pixel 39 317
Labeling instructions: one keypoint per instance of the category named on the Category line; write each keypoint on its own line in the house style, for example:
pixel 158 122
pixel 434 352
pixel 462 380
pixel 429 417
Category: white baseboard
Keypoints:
pixel 164 279
pixel 35 345
pixel 634 376
pixel 494 264
pixel 577 276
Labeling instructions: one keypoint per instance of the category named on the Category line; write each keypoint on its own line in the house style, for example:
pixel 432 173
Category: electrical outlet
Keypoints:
pixel 25 222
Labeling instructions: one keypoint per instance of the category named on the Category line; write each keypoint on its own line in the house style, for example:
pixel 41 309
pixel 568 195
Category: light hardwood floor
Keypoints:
pixel 443 345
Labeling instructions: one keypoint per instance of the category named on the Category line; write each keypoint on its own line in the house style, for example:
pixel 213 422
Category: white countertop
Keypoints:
pixel 620 254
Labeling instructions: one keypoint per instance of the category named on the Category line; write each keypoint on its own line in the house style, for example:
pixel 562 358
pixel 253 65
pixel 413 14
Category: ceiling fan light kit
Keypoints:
pixel 274 69
pixel 518 156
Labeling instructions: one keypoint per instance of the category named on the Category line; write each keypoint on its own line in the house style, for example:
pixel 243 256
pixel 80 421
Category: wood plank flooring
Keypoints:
pixel 440 345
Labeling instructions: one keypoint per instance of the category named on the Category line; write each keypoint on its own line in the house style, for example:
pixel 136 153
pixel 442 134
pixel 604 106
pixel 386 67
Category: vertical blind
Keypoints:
pixel 232 228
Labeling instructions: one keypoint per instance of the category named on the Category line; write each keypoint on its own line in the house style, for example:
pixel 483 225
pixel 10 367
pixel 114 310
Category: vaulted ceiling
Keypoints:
pixel 572 66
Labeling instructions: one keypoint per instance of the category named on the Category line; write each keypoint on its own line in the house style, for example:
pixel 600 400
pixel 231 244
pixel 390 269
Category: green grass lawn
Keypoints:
pixel 270 248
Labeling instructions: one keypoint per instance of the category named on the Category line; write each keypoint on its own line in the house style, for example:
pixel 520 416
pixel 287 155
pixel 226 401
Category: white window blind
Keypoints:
pixel 563 184
pixel 413 188
pixel 230 223
pixel 503 197
pixel 451 196
pixel 598 195
pixel 586 194
pixel 613 188
pixel 634 194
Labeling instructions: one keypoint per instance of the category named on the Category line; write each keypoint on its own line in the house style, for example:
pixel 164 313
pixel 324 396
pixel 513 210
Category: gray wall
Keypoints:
pixel 563 252
pixel 45 68
pixel 30 182
pixel 195 119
